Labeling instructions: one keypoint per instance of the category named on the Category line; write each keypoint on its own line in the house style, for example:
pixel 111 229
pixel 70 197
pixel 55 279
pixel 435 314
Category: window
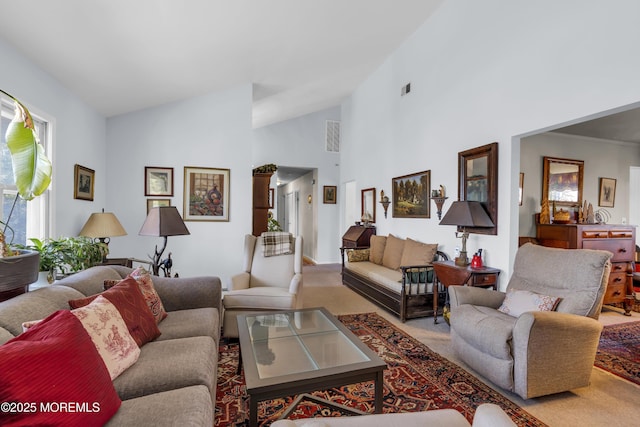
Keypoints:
pixel 28 219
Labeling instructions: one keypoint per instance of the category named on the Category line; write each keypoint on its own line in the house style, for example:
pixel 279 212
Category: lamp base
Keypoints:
pixel 462 260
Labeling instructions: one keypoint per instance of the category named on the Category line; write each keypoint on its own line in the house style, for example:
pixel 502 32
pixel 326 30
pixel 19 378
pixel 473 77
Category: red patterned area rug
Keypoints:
pixel 417 379
pixel 619 351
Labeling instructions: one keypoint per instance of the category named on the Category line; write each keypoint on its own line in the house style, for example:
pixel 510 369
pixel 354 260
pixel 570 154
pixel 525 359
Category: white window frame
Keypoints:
pixel 39 222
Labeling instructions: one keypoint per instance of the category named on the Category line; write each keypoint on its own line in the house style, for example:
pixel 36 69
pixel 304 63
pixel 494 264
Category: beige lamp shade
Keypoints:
pixel 100 225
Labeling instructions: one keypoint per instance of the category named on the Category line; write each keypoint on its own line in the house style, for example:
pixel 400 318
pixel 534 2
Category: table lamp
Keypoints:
pixel 163 221
pixel 102 226
pixel 466 214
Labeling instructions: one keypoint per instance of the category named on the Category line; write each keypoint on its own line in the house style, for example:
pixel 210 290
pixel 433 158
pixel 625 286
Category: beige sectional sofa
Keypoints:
pixel 394 273
pixel 173 382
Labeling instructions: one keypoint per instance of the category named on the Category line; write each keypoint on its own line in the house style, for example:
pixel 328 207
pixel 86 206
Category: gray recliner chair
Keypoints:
pixel 267 282
pixel 535 353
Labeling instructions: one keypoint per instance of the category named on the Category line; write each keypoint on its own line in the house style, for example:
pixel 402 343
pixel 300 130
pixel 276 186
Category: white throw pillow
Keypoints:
pixel 517 302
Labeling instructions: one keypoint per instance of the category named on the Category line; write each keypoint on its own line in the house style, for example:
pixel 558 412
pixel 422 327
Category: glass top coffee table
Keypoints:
pixel 286 353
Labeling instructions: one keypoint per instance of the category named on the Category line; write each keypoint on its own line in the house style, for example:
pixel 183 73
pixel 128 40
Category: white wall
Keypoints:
pixel 602 158
pixel 482 72
pixel 79 137
pixel 300 142
pixel 212 131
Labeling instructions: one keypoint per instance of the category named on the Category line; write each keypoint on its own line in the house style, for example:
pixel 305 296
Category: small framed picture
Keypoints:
pixel 271 197
pixel 329 194
pixel 158 181
pixel 154 203
pixel 84 182
pixel 206 194
pixel 607 192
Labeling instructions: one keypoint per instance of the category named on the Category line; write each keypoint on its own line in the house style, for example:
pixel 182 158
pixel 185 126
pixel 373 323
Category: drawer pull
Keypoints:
pixel 617 280
pixel 622 250
pixel 616 293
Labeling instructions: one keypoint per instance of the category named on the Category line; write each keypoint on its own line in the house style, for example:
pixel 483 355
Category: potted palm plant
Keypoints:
pixel 32 172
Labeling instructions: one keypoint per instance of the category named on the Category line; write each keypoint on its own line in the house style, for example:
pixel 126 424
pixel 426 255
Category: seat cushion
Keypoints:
pixel 191 323
pixel 261 297
pixel 484 328
pixel 188 406
pixel 170 364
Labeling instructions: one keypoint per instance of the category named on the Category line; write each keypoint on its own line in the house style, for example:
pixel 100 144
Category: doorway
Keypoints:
pixel 292 212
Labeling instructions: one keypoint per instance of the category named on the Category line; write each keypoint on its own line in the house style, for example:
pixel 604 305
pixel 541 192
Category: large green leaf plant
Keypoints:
pixel 32 169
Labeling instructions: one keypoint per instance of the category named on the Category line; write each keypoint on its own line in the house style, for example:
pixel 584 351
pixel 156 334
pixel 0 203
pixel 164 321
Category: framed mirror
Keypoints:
pixel 478 181
pixel 368 204
pixel 562 181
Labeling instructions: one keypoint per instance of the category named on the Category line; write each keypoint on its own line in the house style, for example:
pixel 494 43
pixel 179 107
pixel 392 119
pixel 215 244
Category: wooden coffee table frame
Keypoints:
pixel 260 389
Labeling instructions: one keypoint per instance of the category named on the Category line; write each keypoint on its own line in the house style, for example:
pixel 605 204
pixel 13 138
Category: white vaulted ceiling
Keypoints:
pixel 124 55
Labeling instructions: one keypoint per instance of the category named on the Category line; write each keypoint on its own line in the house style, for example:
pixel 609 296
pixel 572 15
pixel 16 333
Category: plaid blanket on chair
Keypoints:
pixel 277 243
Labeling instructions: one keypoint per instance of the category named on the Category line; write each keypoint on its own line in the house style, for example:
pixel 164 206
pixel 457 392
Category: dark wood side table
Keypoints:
pixel 448 273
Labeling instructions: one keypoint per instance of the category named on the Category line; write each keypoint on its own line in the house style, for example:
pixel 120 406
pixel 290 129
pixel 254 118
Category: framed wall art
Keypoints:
pixel 154 203
pixel 607 192
pixel 206 194
pixel 562 181
pixel 83 183
pixel 158 181
pixel 330 194
pixel 411 195
pixel 478 181
pixel 272 195
pixel 368 204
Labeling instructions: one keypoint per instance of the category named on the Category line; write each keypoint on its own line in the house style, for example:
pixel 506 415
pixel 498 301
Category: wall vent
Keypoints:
pixel 332 137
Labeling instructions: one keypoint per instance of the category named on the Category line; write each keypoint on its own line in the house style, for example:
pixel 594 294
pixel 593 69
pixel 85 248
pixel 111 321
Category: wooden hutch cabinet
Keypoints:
pixel 261 202
pixel 617 239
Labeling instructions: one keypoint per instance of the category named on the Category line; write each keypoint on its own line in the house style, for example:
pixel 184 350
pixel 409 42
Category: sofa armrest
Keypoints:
pixel 459 295
pixel 561 345
pixel 239 281
pixel 491 415
pixel 189 292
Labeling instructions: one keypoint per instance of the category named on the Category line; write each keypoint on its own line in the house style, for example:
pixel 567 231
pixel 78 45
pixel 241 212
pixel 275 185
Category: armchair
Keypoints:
pixel 537 352
pixel 267 283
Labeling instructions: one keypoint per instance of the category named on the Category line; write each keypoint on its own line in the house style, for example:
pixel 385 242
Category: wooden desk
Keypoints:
pixel 448 273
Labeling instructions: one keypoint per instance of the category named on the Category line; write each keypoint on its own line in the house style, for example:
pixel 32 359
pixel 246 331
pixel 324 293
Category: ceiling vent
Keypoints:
pixel 332 137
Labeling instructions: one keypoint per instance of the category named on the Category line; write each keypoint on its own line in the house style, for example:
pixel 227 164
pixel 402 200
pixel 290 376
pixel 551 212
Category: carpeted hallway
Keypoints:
pixel 609 399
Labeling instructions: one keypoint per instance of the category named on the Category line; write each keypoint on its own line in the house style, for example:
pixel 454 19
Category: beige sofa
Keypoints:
pixel 541 336
pixel 394 273
pixel 173 382
pixel 487 415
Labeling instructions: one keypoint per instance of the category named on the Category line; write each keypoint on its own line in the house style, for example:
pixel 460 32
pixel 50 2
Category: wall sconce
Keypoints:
pixel 384 201
pixel 438 197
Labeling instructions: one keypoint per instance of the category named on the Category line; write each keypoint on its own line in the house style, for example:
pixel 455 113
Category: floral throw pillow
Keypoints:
pixel 104 324
pixel 358 255
pixel 143 278
pixel 517 302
